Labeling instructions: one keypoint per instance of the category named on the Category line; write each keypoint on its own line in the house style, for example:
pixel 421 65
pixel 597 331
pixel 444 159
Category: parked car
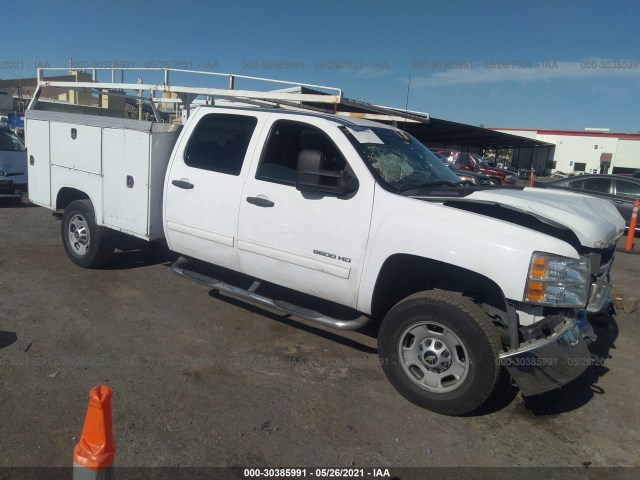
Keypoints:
pixel 13 164
pixel 471 178
pixel 473 163
pixel 620 190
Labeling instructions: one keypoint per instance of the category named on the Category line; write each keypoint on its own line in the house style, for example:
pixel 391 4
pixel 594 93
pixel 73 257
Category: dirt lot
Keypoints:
pixel 202 380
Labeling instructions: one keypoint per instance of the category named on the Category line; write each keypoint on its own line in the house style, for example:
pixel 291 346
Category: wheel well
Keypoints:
pixel 403 275
pixel 67 195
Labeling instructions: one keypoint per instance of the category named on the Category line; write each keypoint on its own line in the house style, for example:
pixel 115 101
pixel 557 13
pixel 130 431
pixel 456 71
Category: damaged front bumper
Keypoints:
pixel 548 363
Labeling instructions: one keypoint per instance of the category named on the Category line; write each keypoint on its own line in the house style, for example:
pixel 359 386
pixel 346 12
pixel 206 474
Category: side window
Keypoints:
pixel 628 189
pixel 286 140
pixel 463 160
pixel 219 143
pixel 577 185
pixel 602 185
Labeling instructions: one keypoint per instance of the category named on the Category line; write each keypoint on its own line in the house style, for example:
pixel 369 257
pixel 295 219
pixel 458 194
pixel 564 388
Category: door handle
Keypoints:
pixel 619 202
pixel 182 184
pixel 260 202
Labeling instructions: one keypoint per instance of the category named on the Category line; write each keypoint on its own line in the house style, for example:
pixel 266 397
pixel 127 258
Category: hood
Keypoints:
pixel 595 222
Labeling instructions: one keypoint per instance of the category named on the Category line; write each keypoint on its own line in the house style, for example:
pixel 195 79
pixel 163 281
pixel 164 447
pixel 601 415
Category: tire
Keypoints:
pixel 440 351
pixel 495 182
pixel 86 244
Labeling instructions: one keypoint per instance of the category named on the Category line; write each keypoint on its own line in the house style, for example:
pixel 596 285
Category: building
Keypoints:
pixel 593 150
pixel 15 95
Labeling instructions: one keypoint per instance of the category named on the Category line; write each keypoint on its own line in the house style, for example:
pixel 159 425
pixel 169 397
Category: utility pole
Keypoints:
pixel 139 101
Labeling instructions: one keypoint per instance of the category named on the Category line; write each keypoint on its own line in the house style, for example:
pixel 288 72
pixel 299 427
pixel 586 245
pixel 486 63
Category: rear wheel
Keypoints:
pixel 440 351
pixel 87 244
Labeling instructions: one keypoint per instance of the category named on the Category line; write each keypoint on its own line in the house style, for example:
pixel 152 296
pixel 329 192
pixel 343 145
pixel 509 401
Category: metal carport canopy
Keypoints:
pixel 429 130
pixel 446 133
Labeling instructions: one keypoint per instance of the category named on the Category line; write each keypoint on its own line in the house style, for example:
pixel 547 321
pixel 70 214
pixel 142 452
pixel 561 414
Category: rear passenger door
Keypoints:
pixel 204 184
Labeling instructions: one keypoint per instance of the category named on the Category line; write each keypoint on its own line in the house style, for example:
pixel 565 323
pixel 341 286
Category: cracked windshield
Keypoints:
pixel 400 161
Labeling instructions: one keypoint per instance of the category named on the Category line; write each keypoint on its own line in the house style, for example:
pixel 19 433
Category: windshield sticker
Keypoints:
pixel 364 135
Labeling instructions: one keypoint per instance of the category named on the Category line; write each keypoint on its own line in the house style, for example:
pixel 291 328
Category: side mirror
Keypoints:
pixel 310 176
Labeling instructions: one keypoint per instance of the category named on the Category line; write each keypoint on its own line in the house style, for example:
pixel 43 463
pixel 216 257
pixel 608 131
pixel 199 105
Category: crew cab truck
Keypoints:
pixel 351 212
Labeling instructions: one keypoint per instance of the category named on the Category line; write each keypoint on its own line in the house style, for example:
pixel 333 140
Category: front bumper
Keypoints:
pixel 551 362
pixel 10 189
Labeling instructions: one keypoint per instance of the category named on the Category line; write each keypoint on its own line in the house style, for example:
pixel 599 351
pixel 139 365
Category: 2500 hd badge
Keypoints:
pixel 332 255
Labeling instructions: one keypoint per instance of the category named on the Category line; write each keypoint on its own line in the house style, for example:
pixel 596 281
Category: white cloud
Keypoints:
pixel 525 72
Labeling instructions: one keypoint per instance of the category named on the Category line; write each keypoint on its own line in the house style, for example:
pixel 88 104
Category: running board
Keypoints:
pixel 179 268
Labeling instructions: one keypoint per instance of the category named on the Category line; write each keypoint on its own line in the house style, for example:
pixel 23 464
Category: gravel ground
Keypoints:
pixel 203 380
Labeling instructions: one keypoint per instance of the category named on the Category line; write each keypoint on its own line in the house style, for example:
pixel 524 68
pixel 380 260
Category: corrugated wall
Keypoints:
pixel 627 155
pixel 571 150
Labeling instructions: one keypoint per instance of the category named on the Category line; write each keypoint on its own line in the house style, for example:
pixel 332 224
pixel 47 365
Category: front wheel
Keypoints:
pixel 495 182
pixel 87 244
pixel 440 351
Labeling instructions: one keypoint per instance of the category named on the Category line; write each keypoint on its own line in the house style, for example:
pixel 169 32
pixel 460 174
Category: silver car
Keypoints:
pixel 13 164
pixel 620 190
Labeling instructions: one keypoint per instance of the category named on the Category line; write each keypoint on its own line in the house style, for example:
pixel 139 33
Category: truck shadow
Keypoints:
pixel 575 395
pixel 291 321
pixel 136 253
pixel 15 202
pixel 585 387
pixel 269 290
pixel 501 397
pixel 7 338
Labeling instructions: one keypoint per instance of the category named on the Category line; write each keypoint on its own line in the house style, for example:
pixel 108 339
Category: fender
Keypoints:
pixel 492 248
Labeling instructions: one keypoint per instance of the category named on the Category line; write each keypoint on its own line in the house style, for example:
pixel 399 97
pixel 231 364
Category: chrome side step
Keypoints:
pixel 179 268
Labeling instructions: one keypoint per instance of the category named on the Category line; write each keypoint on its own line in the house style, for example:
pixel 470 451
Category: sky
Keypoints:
pixel 503 64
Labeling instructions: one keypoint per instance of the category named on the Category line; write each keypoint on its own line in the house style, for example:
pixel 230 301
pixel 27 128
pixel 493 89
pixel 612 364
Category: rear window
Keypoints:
pixel 219 143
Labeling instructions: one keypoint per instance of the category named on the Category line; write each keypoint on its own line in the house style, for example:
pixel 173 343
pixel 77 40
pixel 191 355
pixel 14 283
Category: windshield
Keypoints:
pixel 481 161
pixel 10 142
pixel 399 160
pixel 449 164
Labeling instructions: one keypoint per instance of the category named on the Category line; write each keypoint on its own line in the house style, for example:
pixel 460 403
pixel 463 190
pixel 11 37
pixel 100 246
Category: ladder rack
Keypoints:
pixel 296 95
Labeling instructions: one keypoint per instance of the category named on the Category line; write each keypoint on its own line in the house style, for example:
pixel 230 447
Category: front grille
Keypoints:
pixel 606 255
pixel 601 259
pixel 6 186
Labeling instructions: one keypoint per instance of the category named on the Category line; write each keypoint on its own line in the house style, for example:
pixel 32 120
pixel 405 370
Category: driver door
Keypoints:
pixel 310 242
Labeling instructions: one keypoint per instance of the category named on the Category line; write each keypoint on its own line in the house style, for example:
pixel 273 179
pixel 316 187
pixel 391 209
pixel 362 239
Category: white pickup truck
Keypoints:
pixel 464 281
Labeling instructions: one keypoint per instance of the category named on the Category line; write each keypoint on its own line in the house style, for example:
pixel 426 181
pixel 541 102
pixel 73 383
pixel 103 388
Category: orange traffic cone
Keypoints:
pixel 94 453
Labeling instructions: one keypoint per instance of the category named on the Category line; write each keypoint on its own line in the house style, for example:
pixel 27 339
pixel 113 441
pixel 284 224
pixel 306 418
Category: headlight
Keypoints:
pixel 467 178
pixel 557 281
